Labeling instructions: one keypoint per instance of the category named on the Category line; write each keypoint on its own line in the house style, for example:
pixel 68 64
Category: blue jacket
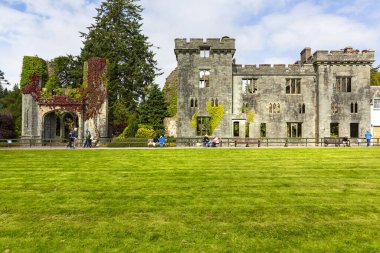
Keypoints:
pixel 161 140
pixel 368 135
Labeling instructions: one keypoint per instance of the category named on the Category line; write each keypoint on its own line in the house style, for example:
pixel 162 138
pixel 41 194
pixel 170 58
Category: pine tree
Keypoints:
pixel 153 110
pixel 117 36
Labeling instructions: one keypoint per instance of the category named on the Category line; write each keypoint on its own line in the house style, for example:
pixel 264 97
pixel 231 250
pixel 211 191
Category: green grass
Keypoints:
pixel 190 200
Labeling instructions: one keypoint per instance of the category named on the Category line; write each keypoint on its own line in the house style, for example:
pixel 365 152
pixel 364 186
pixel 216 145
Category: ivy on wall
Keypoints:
pixel 250 116
pixel 33 65
pixel 193 121
pixel 216 114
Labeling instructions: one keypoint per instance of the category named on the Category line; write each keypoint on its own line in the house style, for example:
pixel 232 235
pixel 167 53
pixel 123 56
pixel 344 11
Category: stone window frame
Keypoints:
pixel 274 108
pixel 203 126
pixel 248 85
pixel 354 107
pixel 343 84
pixel 376 103
pixel 214 102
pixel 263 130
pixel 204 78
pixel 236 129
pixel 293 86
pixel 301 108
pixel 294 129
pixel 193 102
pixel 334 129
pixel 204 52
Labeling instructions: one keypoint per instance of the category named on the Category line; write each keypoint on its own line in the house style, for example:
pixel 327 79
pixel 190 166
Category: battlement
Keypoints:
pixel 344 55
pixel 276 69
pixel 224 43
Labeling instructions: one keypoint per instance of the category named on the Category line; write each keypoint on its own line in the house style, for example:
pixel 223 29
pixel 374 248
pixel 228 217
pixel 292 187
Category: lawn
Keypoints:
pixel 190 200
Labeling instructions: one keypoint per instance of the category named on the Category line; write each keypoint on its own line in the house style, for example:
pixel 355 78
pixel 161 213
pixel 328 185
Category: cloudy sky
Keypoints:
pixel 266 31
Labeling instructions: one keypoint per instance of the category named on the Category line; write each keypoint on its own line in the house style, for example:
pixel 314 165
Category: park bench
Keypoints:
pixel 336 141
pixel 247 142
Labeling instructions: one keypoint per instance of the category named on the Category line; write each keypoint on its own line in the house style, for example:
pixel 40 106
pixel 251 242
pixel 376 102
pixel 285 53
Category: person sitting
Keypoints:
pixel 215 141
pixel 161 141
pixel 155 141
pixel 206 141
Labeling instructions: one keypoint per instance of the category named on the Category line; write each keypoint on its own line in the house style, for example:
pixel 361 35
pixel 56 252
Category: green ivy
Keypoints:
pixel 250 116
pixel 33 65
pixel 193 121
pixel 85 72
pixel 216 114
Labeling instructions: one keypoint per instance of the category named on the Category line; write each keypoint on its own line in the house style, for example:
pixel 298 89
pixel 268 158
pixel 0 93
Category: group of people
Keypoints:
pixel 160 141
pixel 73 137
pixel 210 143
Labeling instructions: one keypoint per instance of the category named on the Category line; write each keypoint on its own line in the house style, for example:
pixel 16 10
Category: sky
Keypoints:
pixel 266 31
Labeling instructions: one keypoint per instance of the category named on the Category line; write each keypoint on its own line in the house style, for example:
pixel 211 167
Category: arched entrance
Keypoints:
pixel 57 125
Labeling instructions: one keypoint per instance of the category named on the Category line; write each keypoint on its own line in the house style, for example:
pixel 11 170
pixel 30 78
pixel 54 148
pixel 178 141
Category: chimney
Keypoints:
pixel 305 54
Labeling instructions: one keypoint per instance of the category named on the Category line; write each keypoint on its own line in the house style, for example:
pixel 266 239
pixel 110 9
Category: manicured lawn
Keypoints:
pixel 190 200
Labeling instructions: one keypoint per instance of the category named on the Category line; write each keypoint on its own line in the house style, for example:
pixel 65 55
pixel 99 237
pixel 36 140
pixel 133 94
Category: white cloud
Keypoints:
pixel 266 31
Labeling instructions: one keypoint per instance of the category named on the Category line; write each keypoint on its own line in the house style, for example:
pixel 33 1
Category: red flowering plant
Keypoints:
pixel 33 88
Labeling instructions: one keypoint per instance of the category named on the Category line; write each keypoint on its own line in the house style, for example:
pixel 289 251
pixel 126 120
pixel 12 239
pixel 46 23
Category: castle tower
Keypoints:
pixel 205 77
pixel 343 92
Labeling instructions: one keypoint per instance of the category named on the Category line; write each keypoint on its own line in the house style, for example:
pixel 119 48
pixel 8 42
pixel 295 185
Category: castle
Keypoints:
pixel 323 94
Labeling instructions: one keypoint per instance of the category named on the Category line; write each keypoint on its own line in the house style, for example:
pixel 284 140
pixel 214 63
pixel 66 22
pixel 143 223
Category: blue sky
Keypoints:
pixel 266 31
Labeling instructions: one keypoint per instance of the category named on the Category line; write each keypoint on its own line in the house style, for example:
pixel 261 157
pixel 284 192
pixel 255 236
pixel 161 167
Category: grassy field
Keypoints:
pixel 190 200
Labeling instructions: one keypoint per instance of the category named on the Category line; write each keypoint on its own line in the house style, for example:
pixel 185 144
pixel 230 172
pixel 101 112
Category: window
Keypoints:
pixel 236 129
pixel 275 108
pixel 245 108
pixel 301 108
pixel 212 102
pixel 294 129
pixel 204 52
pixel 248 86
pixel 334 129
pixel 343 84
pixel 376 104
pixel 216 102
pixel 263 130
pixel 203 126
pixel 193 102
pixel 246 129
pixel 204 75
pixel 293 86
pixel 354 107
pixel 334 107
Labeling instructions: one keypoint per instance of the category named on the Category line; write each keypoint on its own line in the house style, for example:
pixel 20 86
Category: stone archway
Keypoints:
pixel 57 125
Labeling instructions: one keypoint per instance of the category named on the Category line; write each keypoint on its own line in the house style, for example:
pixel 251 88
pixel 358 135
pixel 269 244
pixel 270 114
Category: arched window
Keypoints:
pixel 270 108
pixel 278 108
pixel 216 102
pixel 352 107
pixel 191 102
pixel 299 108
pixel 303 108
pixel 196 103
pixel 212 102
pixel 356 108
pixel 274 108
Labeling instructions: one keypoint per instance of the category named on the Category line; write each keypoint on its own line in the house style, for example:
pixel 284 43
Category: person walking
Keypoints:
pixel 87 143
pixel 368 137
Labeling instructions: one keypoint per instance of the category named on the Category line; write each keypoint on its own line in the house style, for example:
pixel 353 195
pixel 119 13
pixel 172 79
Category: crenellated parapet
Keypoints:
pixel 276 69
pixel 215 45
pixel 344 56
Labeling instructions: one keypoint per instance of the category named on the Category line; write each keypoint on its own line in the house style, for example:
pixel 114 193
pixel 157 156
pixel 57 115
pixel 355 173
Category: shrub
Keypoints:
pixel 145 133
pixel 7 126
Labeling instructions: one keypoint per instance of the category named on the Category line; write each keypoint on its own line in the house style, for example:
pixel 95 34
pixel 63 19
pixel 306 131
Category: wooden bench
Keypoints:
pixel 247 142
pixel 337 141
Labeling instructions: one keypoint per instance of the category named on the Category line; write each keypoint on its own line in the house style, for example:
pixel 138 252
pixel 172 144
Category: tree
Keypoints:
pixel 153 109
pixel 11 104
pixel 7 126
pixel 117 36
pixel 375 75
pixel 65 71
pixel 170 92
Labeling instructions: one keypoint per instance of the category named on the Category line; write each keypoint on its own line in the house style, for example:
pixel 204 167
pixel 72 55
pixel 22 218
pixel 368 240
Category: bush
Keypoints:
pixel 7 126
pixel 145 133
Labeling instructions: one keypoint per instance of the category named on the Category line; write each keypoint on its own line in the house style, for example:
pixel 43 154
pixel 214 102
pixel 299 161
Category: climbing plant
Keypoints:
pixel 250 116
pixel 193 121
pixel 33 65
pixel 216 114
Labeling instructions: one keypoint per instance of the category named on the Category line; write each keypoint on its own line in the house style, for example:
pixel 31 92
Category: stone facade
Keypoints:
pixel 44 119
pixel 322 94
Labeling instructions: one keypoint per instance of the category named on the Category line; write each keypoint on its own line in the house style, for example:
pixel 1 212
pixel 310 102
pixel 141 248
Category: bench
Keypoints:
pixel 336 141
pixel 247 142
